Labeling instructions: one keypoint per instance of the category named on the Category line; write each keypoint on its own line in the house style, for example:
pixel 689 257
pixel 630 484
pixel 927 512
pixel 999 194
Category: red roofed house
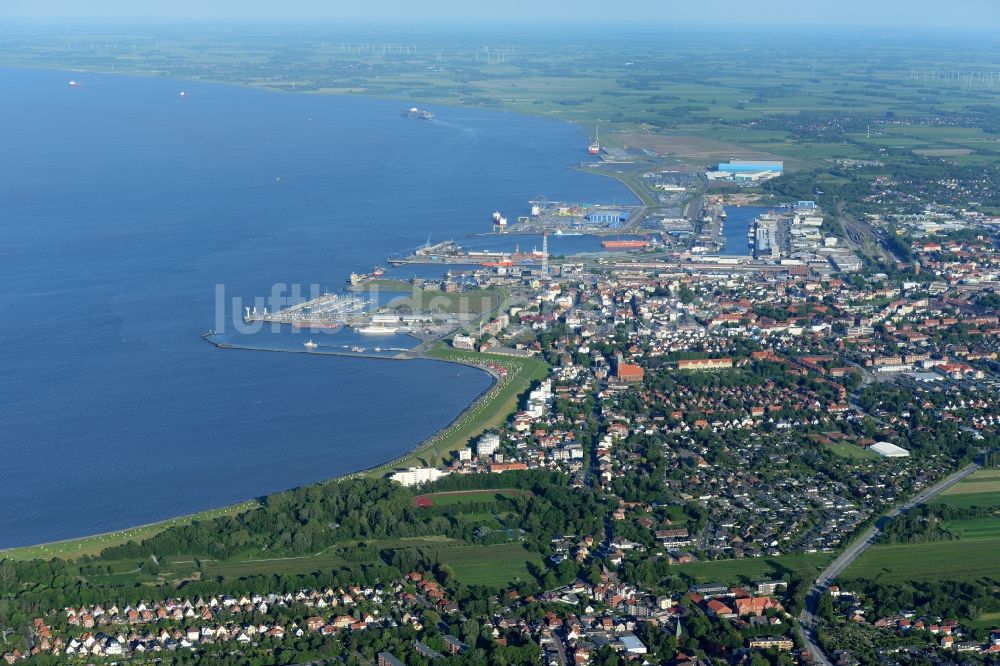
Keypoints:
pixel 629 373
pixel 756 606
pixel 719 609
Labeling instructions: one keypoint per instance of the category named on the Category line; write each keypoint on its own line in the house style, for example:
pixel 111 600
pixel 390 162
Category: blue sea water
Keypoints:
pixel 123 205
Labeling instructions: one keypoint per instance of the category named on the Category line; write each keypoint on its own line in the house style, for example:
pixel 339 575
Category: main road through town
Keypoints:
pixel 807 619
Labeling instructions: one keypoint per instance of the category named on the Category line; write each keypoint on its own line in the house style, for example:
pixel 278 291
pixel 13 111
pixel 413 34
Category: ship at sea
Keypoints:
pixel 414 112
pixel 624 244
pixel 595 146
pixel 309 344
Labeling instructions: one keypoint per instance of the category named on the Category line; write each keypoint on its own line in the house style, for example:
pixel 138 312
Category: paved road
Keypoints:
pixel 807 619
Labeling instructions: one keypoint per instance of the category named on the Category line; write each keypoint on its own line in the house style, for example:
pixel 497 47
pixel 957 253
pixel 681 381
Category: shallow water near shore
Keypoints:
pixel 124 204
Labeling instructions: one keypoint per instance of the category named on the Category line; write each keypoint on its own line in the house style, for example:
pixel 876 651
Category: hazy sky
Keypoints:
pixel 909 13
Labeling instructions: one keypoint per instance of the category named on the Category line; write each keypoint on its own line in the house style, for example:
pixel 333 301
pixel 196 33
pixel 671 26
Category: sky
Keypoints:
pixel 983 14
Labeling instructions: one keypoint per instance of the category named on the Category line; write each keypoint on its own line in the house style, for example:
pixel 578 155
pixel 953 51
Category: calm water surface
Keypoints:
pixel 123 205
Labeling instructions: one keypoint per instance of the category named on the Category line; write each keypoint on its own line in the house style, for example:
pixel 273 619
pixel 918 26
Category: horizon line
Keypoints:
pixel 498 22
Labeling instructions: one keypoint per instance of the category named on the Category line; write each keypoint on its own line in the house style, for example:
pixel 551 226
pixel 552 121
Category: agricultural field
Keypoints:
pixel 981 528
pixel 622 78
pixel 972 556
pixel 980 489
pixel 966 560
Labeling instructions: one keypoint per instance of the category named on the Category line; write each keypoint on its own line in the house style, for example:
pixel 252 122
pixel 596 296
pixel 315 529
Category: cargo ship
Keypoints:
pixel 414 112
pixel 595 147
pixel 624 244
pixel 499 221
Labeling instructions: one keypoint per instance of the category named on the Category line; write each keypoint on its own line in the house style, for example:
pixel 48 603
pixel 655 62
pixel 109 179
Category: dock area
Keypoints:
pixel 327 310
pixel 557 217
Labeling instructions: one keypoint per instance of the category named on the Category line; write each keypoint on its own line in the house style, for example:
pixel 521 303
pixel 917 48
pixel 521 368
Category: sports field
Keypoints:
pixel 490 565
pixel 852 451
pixel 491 496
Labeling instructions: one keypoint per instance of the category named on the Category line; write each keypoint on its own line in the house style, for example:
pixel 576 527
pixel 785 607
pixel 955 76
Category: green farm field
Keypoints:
pixel 981 489
pixel 976 528
pixel 964 560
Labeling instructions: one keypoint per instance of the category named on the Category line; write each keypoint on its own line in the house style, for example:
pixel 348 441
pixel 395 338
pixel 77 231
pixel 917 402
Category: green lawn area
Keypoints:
pixel 497 565
pixel 739 571
pixel 965 560
pixel 987 621
pixel 281 566
pixel 478 496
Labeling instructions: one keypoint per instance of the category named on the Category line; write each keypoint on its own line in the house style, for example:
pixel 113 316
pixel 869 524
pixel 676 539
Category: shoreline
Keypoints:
pixel 91 544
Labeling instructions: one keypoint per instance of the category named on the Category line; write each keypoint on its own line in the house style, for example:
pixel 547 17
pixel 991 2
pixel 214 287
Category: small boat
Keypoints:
pixel 309 344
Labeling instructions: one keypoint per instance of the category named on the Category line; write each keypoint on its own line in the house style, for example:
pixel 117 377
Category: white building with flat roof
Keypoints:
pixel 889 450
pixel 414 476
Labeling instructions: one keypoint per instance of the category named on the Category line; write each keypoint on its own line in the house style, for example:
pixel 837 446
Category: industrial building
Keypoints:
pixel 746 172
pixel 747 166
pixel 607 217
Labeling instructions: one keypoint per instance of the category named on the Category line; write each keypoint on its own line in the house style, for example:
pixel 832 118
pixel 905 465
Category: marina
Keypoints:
pixel 328 310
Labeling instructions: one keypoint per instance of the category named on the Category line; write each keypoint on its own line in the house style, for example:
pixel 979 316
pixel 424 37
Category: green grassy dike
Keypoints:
pixel 490 410
pixel 93 545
